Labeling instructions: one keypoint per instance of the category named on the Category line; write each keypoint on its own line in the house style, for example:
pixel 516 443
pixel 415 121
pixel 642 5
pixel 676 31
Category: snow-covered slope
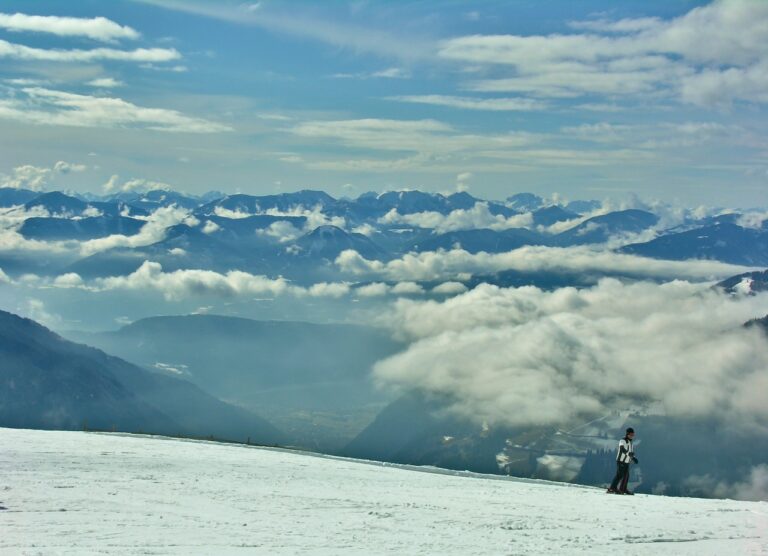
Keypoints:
pixel 75 493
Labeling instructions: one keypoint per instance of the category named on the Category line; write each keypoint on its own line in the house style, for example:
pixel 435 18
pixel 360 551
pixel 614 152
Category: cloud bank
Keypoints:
pixel 458 263
pixel 529 357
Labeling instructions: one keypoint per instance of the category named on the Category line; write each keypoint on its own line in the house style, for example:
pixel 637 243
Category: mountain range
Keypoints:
pixel 298 235
pixel 48 382
pixel 312 380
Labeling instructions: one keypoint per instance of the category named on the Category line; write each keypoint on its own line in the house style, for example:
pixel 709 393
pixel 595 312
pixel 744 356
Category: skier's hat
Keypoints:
pixel 630 430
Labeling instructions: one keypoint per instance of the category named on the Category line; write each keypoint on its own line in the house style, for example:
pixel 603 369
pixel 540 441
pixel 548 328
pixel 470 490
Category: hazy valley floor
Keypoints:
pixel 87 493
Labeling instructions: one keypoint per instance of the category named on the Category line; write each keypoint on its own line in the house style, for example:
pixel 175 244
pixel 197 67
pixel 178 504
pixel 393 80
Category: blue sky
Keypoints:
pixel 588 99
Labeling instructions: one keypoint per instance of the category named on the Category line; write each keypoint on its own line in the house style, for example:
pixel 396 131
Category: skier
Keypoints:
pixel 625 455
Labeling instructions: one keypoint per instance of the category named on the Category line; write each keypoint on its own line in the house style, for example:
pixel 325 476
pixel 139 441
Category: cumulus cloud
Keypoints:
pixel 154 230
pixel 186 283
pixel 36 177
pixel 181 284
pixel 364 229
pixel 68 280
pixel 449 288
pixel 529 357
pixel 210 227
pixel 456 263
pixel 314 216
pixel 282 230
pixel 135 184
pixel 375 289
pixel 479 216
pixel 97 28
pixel 407 288
pixel 327 289
pixel 41 106
pixel 462 181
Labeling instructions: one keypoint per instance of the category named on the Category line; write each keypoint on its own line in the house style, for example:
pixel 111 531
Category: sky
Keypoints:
pixel 589 100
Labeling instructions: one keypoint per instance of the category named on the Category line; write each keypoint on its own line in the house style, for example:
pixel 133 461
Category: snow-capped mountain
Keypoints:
pixel 299 235
pixel 722 242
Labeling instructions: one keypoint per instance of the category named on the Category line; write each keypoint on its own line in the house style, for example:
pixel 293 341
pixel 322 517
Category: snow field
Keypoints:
pixel 88 493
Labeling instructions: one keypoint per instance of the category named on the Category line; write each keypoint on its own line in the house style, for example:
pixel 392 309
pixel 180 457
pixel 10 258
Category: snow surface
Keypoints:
pixel 86 493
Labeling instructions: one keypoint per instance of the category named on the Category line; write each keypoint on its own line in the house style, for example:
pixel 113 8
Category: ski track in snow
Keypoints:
pixel 89 493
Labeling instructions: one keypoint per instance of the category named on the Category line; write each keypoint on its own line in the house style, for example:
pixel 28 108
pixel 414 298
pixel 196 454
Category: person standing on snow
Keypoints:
pixel 625 455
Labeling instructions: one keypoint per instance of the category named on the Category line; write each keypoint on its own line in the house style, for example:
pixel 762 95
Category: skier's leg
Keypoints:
pixel 624 480
pixel 619 476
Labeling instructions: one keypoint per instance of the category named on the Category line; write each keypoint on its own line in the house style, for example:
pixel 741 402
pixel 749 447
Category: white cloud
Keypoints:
pixel 181 284
pixel 314 215
pixel 313 24
pixel 134 184
pixel 282 230
pixel 447 265
pixel 232 214
pixel 36 177
pixel 11 240
pixel 187 283
pixel 63 167
pixel 389 73
pixel 35 309
pixel 474 103
pixel 97 28
pixel 753 219
pixel 462 181
pixel 105 83
pixel 436 146
pixel 376 289
pixel 407 135
pixel 754 488
pixel 449 288
pixel 720 87
pixel 69 280
pixel 479 216
pixel 713 54
pixel 364 229
pixel 42 106
pixel 529 357
pixel 210 227
pixel 392 73
pixel 407 288
pixel 154 230
pixel 327 289
pixel 20 52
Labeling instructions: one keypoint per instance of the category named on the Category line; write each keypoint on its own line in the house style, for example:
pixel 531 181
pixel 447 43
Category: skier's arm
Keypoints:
pixel 632 455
